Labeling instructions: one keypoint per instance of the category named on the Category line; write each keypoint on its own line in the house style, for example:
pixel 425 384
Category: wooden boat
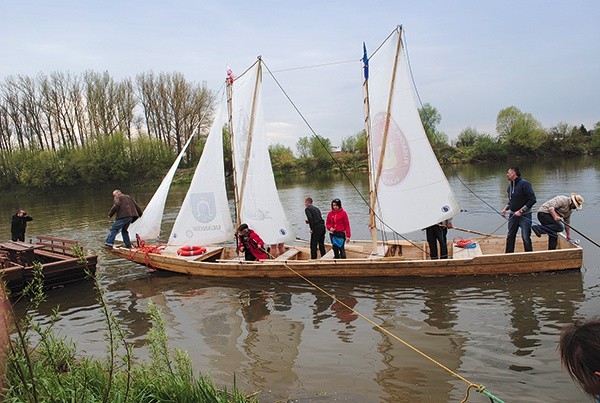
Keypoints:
pixel 408 191
pixel 488 258
pixel 60 260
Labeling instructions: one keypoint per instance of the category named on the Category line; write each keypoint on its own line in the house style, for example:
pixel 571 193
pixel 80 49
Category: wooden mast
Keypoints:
pixel 236 202
pixel 372 196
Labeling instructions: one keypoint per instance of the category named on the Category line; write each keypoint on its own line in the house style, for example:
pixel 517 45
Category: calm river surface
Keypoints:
pixel 288 341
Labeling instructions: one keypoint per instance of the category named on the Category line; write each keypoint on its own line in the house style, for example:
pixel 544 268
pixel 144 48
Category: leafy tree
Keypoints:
pixel 430 117
pixel 282 158
pixel 595 141
pixel 303 147
pixel 519 131
pixel 467 137
pixel 356 144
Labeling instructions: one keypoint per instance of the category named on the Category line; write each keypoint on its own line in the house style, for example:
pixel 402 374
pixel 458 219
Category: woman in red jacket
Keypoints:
pixel 250 243
pixel 338 226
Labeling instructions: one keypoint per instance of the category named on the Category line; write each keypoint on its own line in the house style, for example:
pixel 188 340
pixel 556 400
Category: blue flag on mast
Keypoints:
pixel 365 60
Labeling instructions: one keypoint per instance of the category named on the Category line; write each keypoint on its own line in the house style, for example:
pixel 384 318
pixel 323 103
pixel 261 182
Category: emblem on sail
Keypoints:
pixel 396 161
pixel 203 207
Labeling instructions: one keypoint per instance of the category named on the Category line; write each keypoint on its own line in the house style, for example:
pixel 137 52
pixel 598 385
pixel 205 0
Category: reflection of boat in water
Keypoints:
pixel 492 330
pixel 408 191
pixel 59 260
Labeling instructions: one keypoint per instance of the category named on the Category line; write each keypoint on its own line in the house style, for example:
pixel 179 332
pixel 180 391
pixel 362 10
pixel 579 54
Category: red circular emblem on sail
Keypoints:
pixel 396 161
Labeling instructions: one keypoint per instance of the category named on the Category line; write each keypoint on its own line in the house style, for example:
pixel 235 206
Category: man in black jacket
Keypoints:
pixel 18 225
pixel 521 199
pixel 314 219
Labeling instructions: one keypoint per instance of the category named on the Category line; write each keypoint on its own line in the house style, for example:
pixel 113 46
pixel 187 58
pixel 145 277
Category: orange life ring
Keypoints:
pixel 191 250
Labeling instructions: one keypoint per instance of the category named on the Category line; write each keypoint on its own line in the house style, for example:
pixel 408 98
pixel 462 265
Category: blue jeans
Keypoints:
pixel 120 224
pixel 514 223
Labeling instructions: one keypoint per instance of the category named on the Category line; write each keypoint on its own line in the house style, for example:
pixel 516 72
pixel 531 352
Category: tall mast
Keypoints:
pixel 236 201
pixel 372 195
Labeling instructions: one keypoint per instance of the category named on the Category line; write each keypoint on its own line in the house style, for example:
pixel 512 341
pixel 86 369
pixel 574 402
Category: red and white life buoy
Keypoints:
pixel 191 250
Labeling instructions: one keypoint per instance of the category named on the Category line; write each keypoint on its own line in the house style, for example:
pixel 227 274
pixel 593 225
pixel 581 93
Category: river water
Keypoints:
pixel 289 341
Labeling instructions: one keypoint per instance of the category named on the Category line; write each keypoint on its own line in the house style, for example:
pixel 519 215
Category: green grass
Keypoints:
pixel 41 366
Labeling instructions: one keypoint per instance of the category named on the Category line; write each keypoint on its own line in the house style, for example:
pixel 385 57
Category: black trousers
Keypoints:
pixel 317 239
pixel 435 234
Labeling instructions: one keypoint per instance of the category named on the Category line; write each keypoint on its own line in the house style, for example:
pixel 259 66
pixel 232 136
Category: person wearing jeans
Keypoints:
pixel 127 211
pixel 521 199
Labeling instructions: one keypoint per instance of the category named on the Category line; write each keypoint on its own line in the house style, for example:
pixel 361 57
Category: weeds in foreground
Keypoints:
pixel 42 366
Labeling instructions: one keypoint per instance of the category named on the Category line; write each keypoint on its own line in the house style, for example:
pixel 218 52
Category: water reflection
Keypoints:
pixel 290 341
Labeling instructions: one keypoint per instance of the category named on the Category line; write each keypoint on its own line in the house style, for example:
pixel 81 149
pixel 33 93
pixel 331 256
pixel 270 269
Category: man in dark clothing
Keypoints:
pixel 127 211
pixel 521 199
pixel 18 225
pixel 314 219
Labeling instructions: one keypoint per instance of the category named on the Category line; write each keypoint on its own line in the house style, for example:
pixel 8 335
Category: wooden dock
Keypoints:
pixel 60 260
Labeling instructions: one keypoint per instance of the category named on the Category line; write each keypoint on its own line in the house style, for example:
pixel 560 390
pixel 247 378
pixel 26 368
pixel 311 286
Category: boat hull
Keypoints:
pixel 568 257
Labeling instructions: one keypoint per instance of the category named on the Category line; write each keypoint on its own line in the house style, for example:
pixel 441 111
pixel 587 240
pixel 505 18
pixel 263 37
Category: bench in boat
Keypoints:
pixel 288 254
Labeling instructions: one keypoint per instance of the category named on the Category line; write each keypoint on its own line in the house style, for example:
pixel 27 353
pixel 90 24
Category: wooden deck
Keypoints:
pixel 58 257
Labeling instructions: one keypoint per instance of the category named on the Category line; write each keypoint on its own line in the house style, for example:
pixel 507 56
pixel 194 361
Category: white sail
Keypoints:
pixel 148 225
pixel 204 216
pixel 412 190
pixel 260 206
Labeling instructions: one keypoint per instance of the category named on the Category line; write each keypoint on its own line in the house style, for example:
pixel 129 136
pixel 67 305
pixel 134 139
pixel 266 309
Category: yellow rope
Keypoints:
pixel 480 388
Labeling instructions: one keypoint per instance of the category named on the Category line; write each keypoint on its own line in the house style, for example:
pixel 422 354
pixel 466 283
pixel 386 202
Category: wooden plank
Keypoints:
pixel 52 255
pixel 56 240
pixel 288 255
pixel 53 246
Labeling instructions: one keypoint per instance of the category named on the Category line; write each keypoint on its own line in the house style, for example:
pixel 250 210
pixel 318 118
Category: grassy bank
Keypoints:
pixel 41 366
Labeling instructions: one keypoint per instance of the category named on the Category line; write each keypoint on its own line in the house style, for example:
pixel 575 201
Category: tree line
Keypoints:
pixel 65 130
pixel 518 136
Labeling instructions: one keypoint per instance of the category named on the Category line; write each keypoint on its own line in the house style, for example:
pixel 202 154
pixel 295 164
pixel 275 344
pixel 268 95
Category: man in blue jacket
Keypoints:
pixel 521 199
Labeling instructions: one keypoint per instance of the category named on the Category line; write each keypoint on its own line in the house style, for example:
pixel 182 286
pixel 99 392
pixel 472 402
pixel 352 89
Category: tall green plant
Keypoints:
pixel 43 367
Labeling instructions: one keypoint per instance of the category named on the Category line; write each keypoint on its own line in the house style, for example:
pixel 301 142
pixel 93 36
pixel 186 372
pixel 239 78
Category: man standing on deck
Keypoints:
pixel 127 211
pixel 521 199
pixel 314 219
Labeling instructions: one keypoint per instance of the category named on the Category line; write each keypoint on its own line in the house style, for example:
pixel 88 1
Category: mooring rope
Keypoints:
pixel 479 388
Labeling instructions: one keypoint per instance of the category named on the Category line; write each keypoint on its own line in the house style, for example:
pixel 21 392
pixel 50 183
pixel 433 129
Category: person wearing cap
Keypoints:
pixel 251 244
pixel 338 225
pixel 553 213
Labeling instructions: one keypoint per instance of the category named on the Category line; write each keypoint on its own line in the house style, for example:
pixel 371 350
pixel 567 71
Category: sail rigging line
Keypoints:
pixel 412 76
pixel 480 388
pixel 337 163
pixel 315 66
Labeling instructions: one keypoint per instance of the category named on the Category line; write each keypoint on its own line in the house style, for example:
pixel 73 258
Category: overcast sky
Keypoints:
pixel 470 59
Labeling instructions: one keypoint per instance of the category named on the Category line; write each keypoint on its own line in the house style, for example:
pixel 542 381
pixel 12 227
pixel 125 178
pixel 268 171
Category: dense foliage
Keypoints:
pixel 64 130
